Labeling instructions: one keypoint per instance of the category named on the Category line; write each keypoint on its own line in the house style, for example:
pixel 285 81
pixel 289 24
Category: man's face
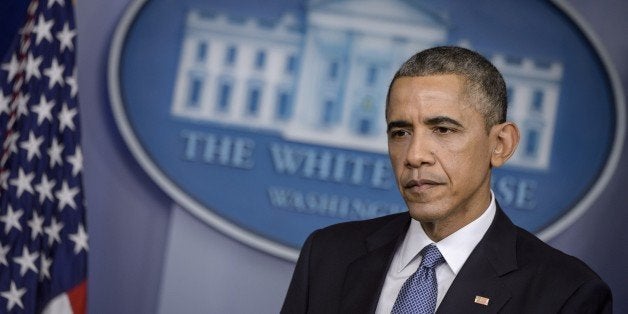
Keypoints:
pixel 440 149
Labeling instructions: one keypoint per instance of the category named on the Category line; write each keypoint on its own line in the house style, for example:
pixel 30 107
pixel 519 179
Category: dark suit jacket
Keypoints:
pixel 342 268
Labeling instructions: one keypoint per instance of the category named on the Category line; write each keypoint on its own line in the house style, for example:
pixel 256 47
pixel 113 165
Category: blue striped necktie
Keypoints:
pixel 418 293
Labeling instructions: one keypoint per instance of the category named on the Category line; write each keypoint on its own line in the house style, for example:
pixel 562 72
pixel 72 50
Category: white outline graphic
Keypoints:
pixel 256 241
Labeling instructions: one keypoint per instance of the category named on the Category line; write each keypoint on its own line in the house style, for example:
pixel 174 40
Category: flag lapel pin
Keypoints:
pixel 481 300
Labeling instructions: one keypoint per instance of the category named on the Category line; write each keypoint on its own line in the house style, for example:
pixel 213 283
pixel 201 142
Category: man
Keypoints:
pixel 454 251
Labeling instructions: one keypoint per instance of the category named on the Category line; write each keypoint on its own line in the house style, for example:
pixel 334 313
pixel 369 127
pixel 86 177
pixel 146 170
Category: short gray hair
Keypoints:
pixel 482 79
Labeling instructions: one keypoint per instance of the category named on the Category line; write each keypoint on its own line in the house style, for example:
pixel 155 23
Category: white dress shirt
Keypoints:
pixel 455 248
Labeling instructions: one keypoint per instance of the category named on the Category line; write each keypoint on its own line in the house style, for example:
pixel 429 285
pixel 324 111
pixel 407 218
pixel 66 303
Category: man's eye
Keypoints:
pixel 443 130
pixel 398 133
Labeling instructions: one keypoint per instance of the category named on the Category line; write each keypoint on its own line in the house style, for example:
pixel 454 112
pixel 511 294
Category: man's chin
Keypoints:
pixel 425 213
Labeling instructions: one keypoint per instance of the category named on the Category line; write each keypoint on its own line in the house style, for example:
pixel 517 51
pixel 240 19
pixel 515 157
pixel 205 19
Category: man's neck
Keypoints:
pixel 438 230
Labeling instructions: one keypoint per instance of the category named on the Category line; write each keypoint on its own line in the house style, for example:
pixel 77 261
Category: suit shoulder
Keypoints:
pixel 361 228
pixel 351 237
pixel 568 284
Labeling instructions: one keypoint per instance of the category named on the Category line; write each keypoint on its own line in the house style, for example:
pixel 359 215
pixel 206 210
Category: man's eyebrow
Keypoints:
pixel 398 124
pixel 440 120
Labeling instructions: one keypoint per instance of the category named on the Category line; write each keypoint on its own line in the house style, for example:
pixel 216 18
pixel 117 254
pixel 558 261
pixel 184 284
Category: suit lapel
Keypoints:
pixel 365 276
pixel 481 275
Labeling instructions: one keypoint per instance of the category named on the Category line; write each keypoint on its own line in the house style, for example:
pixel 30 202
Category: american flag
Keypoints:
pixel 43 242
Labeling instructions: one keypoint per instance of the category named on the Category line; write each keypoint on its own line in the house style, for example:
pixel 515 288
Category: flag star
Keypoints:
pixel 66 196
pixel 54 152
pixel 42 29
pixel 43 110
pixel 12 140
pixel 80 239
pixel 13 296
pixel 44 269
pixel 23 182
pixel 3 254
pixel 77 161
pixel 53 231
pixel 36 224
pixel 32 66
pixel 32 145
pixel 12 67
pixel 12 220
pixel 72 81
pixel 52 2
pixel 55 73
pixel 27 261
pixel 65 37
pixel 44 188
pixel 22 104
pixel 66 117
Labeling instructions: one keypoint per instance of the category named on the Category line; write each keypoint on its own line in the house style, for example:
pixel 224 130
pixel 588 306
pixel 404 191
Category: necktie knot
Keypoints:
pixel 431 256
pixel 419 293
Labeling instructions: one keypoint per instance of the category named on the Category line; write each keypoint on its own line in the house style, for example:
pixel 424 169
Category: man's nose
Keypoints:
pixel 420 152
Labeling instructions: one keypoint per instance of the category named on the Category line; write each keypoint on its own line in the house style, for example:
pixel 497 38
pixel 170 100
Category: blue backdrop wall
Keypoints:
pixel 148 255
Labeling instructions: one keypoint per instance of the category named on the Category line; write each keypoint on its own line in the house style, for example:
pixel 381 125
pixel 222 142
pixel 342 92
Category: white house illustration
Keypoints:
pixel 323 80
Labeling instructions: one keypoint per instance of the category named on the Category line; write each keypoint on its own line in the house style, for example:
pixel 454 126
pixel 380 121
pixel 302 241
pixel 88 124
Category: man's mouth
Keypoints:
pixel 421 184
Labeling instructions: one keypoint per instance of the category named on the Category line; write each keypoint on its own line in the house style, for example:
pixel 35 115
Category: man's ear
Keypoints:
pixel 505 138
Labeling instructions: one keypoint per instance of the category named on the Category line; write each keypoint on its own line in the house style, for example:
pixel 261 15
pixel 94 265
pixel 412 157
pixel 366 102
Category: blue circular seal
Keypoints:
pixel 267 122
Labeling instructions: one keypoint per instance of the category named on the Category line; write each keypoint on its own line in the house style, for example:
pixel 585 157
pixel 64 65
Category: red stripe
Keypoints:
pixel 78 298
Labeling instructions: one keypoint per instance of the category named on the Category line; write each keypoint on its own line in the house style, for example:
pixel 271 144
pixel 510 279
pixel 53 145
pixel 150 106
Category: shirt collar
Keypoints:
pixel 455 248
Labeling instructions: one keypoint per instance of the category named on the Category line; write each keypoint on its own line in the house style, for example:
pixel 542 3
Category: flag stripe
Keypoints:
pixel 78 298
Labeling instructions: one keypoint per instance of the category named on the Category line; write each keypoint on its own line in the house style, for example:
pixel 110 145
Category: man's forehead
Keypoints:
pixel 427 89
pixel 429 104
pixel 437 92
pixel 434 114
